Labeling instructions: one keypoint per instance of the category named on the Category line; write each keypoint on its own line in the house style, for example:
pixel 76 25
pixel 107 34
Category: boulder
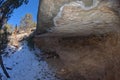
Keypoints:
pixel 85 34
pixel 48 9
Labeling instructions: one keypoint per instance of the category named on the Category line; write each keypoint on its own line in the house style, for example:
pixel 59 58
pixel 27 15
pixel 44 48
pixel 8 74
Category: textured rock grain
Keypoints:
pixel 85 34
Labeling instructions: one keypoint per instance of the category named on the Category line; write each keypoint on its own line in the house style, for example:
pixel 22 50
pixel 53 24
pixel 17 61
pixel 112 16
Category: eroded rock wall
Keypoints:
pixel 50 10
pixel 85 34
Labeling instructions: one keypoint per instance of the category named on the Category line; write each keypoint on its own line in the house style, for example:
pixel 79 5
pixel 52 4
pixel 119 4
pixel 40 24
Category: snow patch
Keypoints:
pixel 24 65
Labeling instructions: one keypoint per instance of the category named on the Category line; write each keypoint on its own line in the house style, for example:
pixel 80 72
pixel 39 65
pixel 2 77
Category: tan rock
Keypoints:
pixel 87 38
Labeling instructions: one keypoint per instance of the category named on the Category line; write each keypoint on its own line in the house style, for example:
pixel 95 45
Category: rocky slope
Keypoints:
pixel 85 34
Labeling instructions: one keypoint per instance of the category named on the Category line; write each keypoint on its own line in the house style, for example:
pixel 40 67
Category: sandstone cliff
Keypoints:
pixel 85 34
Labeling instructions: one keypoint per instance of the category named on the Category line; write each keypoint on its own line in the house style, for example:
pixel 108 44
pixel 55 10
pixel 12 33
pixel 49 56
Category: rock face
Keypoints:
pixel 85 34
pixel 48 9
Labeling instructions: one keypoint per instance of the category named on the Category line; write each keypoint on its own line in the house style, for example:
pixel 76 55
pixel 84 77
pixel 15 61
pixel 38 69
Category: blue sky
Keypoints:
pixel 31 8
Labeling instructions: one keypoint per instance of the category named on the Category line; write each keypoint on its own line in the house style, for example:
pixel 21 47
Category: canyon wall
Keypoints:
pixel 85 34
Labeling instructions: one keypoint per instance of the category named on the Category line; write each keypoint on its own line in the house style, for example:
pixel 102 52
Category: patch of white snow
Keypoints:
pixel 24 65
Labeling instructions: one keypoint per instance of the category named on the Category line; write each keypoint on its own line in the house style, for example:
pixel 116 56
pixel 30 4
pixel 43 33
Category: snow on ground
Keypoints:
pixel 24 65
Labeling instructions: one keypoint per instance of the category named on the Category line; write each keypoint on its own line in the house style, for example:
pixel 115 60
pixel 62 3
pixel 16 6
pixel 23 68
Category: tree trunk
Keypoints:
pixel 3 67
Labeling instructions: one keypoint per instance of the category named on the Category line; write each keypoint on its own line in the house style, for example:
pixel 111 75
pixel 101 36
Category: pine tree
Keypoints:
pixel 6 9
pixel 3 44
pixel 27 22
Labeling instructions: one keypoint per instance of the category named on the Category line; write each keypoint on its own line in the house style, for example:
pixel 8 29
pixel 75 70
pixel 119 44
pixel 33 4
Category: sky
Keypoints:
pixel 31 7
